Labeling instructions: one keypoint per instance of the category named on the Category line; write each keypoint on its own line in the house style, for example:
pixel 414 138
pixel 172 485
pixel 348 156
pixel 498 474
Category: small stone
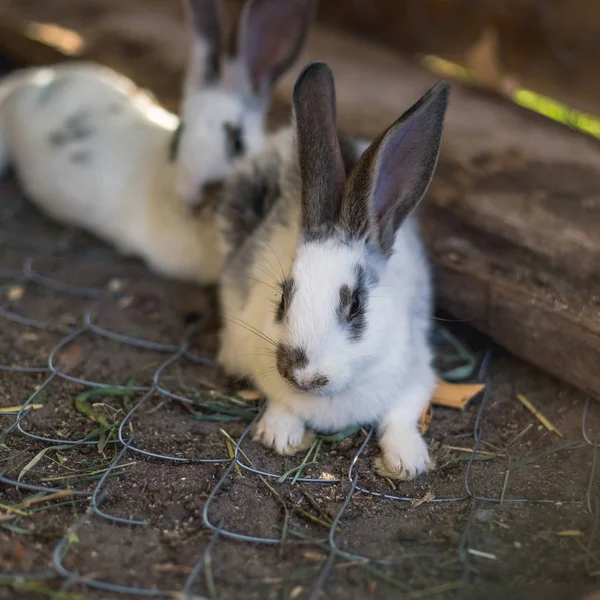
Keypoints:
pixel 115 285
pixel 15 293
pixel 484 515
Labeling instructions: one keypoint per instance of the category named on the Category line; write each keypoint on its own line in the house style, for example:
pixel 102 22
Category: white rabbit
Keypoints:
pixel 92 150
pixel 326 301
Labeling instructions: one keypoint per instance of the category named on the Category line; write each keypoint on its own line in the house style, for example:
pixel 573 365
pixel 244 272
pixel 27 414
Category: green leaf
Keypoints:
pixel 73 538
pixel 461 373
pixel 85 409
pixel 105 392
pixel 340 435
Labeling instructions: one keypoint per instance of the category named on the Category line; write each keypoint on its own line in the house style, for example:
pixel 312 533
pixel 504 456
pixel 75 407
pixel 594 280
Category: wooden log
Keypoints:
pixel 509 293
pixel 24 44
pixel 512 219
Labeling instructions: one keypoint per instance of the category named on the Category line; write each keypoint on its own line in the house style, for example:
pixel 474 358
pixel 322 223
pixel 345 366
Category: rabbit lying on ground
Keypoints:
pixel 94 151
pixel 327 300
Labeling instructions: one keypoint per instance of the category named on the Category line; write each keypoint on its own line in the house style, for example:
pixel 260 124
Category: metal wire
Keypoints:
pixel 54 374
pixel 347 486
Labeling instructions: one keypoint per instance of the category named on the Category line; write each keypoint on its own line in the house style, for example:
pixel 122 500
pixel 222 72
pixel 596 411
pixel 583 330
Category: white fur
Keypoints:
pixel 125 193
pixel 385 378
pixel 116 178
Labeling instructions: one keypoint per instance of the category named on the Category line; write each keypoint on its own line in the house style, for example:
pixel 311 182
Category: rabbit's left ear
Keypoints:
pixel 206 21
pixel 394 173
pixel 319 154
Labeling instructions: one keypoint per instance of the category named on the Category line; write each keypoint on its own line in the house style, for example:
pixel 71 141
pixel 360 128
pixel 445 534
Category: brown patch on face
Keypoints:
pixel 289 359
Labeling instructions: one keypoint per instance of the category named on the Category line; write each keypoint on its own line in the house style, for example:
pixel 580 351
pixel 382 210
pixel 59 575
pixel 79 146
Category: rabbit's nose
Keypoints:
pixel 290 360
pixel 309 383
pixel 292 363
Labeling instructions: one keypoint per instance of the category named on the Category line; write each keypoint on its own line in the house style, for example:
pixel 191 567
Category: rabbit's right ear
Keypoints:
pixel 270 38
pixel 394 172
pixel 205 21
pixel 319 154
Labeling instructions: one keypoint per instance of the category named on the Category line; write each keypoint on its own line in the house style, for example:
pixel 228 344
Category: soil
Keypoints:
pixel 518 520
pixel 425 538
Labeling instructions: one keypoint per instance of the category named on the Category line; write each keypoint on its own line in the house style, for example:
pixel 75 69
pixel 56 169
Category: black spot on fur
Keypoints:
pixel 57 138
pixel 80 156
pixel 77 126
pixel 75 129
pixel 247 200
pixel 175 141
pixel 289 359
pixel 287 291
pixel 352 307
pixel 235 140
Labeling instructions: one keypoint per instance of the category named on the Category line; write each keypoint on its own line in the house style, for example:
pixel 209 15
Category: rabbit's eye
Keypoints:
pixel 281 308
pixel 355 306
pixel 287 291
pixel 235 141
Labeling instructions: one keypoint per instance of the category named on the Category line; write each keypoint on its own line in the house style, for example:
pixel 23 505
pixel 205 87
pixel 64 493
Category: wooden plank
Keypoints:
pixel 502 289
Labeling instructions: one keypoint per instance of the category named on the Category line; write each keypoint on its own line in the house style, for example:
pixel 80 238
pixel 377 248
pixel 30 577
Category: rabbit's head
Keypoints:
pixel 227 91
pixel 344 303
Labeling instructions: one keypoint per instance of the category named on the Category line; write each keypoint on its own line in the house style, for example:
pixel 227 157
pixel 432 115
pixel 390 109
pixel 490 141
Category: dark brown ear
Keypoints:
pixel 394 173
pixel 206 22
pixel 319 154
pixel 271 36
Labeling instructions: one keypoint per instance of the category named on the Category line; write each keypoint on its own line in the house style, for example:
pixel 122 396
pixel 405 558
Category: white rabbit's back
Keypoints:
pixel 77 140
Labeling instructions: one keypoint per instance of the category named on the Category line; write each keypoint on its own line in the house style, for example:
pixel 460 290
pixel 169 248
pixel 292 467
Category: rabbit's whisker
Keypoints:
pixel 276 257
pixel 263 282
pixel 250 328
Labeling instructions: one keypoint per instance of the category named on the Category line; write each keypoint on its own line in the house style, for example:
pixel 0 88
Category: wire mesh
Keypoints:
pixel 39 257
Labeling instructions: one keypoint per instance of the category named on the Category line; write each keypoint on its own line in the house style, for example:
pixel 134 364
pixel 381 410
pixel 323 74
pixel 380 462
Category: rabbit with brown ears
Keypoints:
pixel 94 151
pixel 326 294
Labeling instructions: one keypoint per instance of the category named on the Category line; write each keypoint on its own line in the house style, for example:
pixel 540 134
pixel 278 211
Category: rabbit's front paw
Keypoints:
pixel 283 432
pixel 404 457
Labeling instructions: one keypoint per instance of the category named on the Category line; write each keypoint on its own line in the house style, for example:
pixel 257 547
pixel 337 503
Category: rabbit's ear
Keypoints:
pixel 271 36
pixel 205 20
pixel 394 173
pixel 319 155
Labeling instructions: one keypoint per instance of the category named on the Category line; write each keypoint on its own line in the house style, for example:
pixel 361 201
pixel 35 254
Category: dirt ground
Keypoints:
pixel 516 517
pixel 512 509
